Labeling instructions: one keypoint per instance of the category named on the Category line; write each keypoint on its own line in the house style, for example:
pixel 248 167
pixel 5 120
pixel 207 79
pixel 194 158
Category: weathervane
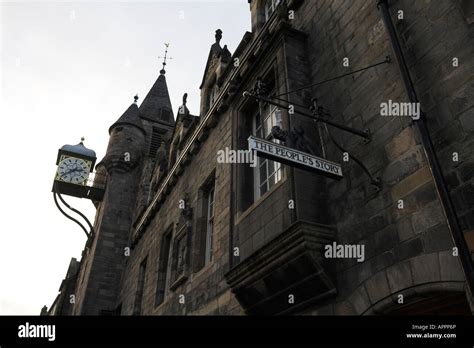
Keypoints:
pixel 162 71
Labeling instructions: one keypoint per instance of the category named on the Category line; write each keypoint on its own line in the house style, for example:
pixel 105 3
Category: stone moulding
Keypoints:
pixel 290 264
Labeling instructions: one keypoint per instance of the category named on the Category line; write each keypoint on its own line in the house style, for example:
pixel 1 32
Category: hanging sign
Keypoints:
pixel 294 158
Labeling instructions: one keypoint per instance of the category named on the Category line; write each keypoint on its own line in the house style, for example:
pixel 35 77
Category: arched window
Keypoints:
pixel 270 7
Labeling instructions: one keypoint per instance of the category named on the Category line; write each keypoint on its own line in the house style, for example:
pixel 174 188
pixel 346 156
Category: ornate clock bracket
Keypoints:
pixel 75 163
pixel 55 196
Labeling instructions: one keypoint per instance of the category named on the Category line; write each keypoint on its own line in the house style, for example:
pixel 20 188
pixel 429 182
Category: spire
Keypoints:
pixel 130 117
pixel 157 104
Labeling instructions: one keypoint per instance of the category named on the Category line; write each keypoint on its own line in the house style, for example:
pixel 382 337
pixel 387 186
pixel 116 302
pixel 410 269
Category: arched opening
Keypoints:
pixel 434 303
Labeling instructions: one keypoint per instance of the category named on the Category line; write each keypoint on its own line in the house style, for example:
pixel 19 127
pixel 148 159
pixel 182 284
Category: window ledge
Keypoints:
pixel 242 215
pixel 181 279
pixel 203 270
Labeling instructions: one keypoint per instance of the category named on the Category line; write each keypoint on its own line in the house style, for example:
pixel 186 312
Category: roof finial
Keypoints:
pixel 185 98
pixel 135 98
pixel 82 139
pixel 218 35
pixel 162 71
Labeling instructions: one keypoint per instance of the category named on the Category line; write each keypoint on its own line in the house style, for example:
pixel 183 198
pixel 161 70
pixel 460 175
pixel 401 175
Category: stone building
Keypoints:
pixel 180 233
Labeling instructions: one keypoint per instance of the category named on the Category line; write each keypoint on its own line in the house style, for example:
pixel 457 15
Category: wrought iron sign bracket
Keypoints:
pixel 363 134
pixel 319 112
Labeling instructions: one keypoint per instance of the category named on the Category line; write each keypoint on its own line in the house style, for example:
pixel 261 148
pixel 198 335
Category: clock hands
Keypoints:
pixel 73 170
pixel 76 170
pixel 70 171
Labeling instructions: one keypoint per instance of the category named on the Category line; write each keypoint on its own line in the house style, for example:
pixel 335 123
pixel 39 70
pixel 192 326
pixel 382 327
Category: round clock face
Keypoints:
pixel 73 170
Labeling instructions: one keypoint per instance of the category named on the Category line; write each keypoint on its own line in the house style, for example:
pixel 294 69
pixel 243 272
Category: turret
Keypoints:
pixel 104 261
pixel 126 142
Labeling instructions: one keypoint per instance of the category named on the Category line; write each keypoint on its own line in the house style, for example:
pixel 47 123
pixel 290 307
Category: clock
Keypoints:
pixel 73 170
pixel 74 166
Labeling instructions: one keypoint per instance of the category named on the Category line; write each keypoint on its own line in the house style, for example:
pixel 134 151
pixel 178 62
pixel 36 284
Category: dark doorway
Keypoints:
pixel 445 303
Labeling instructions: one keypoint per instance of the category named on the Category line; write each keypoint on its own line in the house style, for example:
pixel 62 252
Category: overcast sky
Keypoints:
pixel 70 69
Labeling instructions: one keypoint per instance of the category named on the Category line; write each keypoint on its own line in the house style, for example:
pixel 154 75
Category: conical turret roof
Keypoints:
pixel 157 104
pixel 130 117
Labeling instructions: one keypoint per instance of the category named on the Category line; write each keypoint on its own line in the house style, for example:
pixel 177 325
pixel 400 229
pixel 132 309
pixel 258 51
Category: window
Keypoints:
pixel 203 238
pixel 270 7
pixel 207 103
pixel 257 119
pixel 267 173
pixel 140 286
pixel 209 226
pixel 162 281
pixel 210 97
pixel 180 255
pixel 213 95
